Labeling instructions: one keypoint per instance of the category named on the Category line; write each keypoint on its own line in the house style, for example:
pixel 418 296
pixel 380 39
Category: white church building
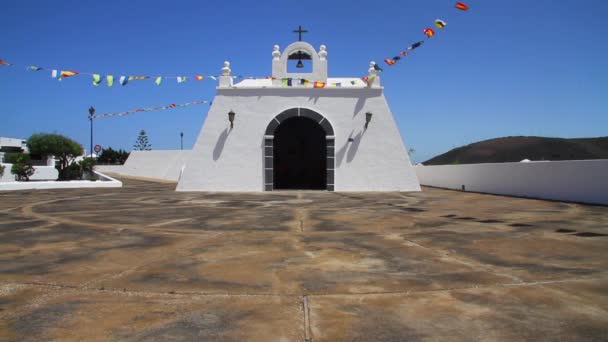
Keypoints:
pixel 294 130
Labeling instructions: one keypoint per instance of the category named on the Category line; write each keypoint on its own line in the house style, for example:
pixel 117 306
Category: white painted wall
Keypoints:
pixel 232 160
pixel 578 181
pixel 161 164
pixel 41 173
pixel 107 182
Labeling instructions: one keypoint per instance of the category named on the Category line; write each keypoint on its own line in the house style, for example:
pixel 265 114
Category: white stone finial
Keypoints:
pixel 322 52
pixel 226 69
pixel 372 68
pixel 276 53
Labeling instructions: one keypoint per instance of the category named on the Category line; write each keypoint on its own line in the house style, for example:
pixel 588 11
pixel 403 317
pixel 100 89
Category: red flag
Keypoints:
pixel 319 84
pixel 462 6
pixel 198 77
pixel 389 61
pixel 403 53
pixel 429 32
pixel 68 73
pixel 3 62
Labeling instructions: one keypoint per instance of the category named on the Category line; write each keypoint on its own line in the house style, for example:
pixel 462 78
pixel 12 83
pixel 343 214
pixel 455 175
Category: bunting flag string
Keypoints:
pixel 98 78
pixel 149 109
pixel 428 32
pixel 60 74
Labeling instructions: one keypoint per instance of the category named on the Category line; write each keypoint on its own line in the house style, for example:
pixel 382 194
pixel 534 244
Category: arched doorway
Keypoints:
pixel 299 151
pixel 300 155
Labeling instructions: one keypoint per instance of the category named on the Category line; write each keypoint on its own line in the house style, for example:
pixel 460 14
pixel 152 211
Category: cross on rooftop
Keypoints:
pixel 299 31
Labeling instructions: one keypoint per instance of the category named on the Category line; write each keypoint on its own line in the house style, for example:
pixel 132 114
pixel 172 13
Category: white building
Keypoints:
pixel 289 132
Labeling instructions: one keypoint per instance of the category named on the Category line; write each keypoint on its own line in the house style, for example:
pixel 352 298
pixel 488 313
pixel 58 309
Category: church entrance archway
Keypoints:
pixel 300 155
pixel 299 152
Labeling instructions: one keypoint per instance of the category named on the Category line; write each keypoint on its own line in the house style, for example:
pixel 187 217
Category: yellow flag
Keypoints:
pixel 96 79
pixel 110 80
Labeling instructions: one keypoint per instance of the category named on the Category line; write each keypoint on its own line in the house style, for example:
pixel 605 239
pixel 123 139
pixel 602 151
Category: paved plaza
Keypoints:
pixel 146 263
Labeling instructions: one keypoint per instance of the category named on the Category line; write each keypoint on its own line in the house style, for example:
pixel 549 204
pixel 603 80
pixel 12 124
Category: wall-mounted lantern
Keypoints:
pixel 231 115
pixel 368 118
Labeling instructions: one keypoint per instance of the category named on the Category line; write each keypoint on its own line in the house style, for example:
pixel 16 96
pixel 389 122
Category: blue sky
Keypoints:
pixel 536 67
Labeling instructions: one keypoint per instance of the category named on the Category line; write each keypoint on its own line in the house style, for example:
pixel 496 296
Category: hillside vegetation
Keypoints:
pixel 515 149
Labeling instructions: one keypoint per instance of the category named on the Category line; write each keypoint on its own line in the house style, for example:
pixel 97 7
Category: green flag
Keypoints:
pixel 96 79
pixel 159 79
pixel 110 80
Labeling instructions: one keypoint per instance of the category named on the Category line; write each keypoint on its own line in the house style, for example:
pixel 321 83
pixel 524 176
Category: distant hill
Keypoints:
pixel 515 149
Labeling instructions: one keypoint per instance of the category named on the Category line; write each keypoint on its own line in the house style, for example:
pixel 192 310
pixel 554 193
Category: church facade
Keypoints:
pixel 299 130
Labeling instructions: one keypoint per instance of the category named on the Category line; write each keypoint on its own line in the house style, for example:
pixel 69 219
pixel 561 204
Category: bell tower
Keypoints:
pixel 299 51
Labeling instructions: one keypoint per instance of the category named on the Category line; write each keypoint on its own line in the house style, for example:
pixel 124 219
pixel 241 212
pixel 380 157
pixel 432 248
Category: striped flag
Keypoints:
pixel 462 6
pixel 440 23
pixel 304 82
pixel 403 53
pixel 35 68
pixel 319 84
pixel 123 80
pixel 389 61
pixel 68 73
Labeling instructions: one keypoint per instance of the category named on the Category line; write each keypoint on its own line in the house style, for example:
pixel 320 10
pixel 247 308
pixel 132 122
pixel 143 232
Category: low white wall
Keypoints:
pixel 41 173
pixel 108 182
pixel 161 164
pixel 578 180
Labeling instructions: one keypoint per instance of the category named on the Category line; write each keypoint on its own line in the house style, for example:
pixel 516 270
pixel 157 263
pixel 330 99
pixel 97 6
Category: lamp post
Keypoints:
pixel 91 112
pixel 181 136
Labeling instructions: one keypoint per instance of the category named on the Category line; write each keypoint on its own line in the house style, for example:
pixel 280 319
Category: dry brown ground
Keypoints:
pixel 145 263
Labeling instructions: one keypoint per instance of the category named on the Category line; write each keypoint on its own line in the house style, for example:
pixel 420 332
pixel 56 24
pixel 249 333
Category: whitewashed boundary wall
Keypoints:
pixel 106 182
pixel 41 173
pixel 577 181
pixel 161 164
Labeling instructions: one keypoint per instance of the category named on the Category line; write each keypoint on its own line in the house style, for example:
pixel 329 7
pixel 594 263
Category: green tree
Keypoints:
pixel 142 143
pixel 112 156
pixel 22 167
pixel 64 149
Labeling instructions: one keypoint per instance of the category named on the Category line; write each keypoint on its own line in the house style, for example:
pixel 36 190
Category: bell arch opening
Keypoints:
pixel 299 152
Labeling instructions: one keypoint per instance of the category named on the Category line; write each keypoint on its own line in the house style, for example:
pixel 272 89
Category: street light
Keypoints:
pixel 91 112
pixel 181 135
